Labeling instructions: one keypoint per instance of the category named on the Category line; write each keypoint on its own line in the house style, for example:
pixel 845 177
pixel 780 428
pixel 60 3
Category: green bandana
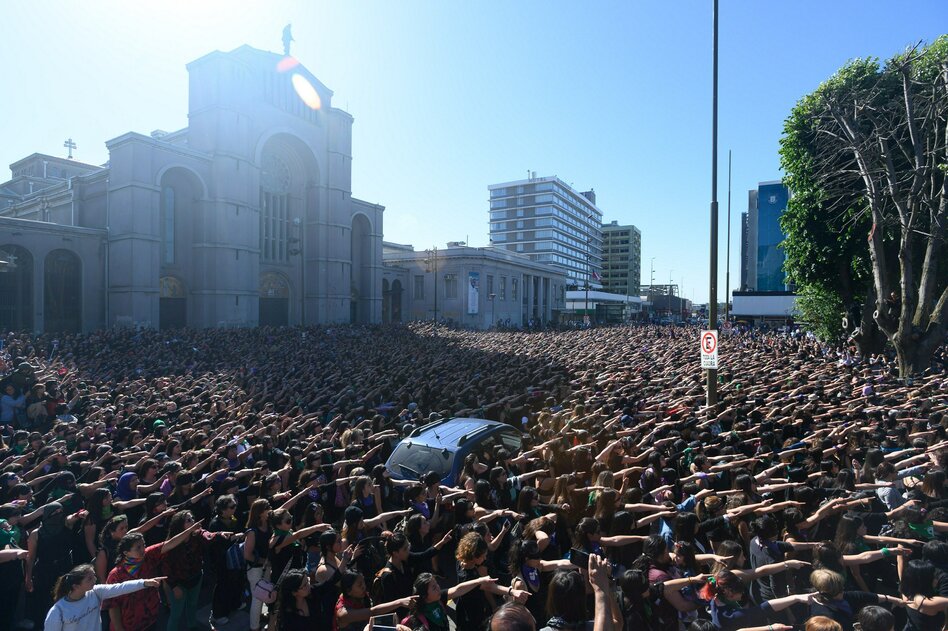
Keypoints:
pixel 286 533
pixel 7 534
pixel 435 614
pixel 924 529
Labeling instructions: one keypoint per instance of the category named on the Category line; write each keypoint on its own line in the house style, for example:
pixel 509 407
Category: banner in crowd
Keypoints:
pixel 473 290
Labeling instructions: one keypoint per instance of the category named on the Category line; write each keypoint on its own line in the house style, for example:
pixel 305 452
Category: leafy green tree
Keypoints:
pixel 866 157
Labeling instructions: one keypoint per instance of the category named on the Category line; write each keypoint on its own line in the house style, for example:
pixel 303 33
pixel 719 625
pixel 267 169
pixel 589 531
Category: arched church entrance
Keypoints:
pixel 16 288
pixel 274 307
pixel 172 304
pixel 396 300
pixel 62 289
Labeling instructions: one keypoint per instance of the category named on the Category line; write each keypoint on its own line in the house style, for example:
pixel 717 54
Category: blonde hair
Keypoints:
pixel 828 583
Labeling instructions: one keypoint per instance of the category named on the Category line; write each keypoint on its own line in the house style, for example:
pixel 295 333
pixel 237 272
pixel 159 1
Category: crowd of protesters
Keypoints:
pixel 144 471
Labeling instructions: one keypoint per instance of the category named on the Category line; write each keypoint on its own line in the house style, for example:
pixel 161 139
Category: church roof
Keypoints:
pixel 266 60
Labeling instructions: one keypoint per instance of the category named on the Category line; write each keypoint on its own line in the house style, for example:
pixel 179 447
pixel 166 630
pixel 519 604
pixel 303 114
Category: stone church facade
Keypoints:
pixel 244 218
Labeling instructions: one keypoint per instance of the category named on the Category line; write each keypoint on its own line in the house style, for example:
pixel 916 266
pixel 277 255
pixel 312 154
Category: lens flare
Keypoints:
pixel 287 63
pixel 306 92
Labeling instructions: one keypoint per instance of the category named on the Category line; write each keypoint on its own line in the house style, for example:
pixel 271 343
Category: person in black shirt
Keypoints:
pixel 292 611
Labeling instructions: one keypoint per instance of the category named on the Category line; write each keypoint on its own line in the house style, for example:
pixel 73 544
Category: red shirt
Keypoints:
pixel 139 610
pixel 350 604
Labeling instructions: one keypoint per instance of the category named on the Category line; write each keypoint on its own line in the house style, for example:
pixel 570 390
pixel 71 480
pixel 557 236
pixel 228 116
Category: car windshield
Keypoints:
pixel 413 461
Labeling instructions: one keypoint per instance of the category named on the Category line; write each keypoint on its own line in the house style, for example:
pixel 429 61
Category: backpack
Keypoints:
pixel 377 590
pixel 234 557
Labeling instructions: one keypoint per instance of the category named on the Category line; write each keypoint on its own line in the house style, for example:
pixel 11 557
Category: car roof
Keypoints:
pixel 448 432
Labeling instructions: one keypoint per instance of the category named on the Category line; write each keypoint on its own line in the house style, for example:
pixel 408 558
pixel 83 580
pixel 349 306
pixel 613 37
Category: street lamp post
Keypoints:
pixel 712 383
pixel 294 251
pixel 432 265
pixel 491 298
pixel 586 306
pixel 727 257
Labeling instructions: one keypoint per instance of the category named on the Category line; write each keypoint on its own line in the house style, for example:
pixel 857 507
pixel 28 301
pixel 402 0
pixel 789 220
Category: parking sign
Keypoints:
pixel 709 349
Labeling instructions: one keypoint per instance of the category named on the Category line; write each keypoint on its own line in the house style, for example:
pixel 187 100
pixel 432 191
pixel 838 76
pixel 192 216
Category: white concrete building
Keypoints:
pixel 473 287
pixel 244 217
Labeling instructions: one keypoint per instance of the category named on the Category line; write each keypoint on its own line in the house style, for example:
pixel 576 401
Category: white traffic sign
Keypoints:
pixel 709 349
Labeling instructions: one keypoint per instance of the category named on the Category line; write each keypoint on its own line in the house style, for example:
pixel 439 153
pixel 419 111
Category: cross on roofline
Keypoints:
pixel 69 144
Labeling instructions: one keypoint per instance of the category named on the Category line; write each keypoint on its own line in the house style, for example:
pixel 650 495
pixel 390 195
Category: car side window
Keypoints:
pixel 510 441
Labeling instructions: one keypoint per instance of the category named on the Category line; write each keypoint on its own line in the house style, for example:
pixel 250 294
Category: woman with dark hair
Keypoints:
pixel 99 510
pixel 365 495
pixel 229 584
pixel 925 609
pixel 766 549
pixel 729 604
pixel 874 618
pixel 734 560
pixel 588 537
pixel 135 561
pixel 285 549
pixel 531 573
pixel 185 565
pixel 291 611
pixel 332 565
pixel 428 610
pixel 853 543
pixel 354 606
pixel 50 556
pixel 473 609
pixel 107 552
pixel 256 549
pixel 394 580
pixel 657 565
pixel 423 557
pixel 79 600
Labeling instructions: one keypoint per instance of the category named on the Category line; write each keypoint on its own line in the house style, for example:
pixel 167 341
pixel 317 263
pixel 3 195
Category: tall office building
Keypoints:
pixel 621 258
pixel 745 244
pixel 761 257
pixel 546 220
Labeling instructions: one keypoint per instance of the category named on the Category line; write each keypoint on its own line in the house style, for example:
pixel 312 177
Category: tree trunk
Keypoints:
pixel 871 339
pixel 914 356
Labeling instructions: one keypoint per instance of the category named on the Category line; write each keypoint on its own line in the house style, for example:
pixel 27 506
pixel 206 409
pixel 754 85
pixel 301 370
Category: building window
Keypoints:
pixel 490 284
pixel 167 225
pixel 450 286
pixel 513 288
pixel 274 209
pixel 419 287
pixel 503 288
pixel 274 226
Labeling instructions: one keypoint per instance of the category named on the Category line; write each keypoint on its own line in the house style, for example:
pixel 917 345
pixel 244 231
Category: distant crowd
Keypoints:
pixel 144 474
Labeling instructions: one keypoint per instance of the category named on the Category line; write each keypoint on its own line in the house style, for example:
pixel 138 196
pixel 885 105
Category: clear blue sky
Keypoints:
pixel 449 97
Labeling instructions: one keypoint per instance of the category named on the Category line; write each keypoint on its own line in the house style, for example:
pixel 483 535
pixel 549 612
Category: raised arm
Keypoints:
pixel 385 518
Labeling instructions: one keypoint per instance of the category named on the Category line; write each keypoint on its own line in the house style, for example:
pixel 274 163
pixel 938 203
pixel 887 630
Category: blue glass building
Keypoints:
pixel 761 256
pixel 772 200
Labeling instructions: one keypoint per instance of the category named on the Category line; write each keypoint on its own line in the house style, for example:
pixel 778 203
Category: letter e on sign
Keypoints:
pixel 709 349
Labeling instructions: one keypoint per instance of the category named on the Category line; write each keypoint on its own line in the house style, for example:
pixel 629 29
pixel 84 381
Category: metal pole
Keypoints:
pixel 712 381
pixel 303 271
pixel 727 258
pixel 586 308
pixel 435 256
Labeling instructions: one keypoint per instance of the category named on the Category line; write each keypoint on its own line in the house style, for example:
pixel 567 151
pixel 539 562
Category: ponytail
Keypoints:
pixel 70 579
pixel 722 580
